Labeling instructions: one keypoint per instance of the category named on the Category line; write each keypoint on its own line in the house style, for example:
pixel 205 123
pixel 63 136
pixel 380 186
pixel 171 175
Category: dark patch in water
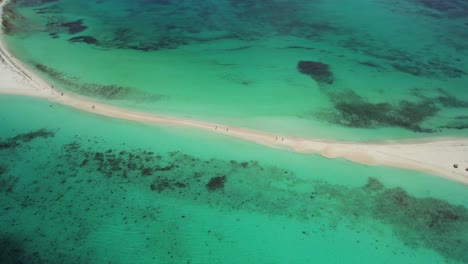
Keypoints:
pixel 166 28
pixel 25 138
pixel 439 224
pixel 12 251
pixel 238 48
pixel 31 3
pixel 319 71
pixel 253 187
pixel 371 64
pixel 84 39
pixel 53 9
pixel 105 91
pixel 75 27
pixel 444 98
pixel 374 185
pixel 452 102
pixel 432 68
pixel 165 184
pixel 7 182
pixel 430 65
pixel 449 101
pixel 300 47
pixel 216 183
pixel 451 8
pixel 3 169
pixel 456 126
pixel 352 110
pixel 11 19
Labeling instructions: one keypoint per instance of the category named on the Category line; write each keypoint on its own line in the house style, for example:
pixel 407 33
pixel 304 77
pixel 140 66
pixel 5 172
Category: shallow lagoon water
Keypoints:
pixel 81 188
pixel 397 69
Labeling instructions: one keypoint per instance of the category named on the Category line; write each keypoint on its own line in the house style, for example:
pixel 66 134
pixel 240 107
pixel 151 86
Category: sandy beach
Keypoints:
pixel 446 157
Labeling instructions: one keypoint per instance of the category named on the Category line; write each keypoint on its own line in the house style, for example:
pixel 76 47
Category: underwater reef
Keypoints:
pixel 69 186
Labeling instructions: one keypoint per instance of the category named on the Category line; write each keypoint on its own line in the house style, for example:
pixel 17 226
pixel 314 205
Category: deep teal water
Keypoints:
pixel 395 68
pixel 79 188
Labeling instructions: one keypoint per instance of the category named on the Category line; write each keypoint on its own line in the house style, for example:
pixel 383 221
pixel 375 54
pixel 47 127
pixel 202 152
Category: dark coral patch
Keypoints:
pixel 3 169
pixel 439 224
pixel 428 69
pixel 456 126
pixel 455 8
pixel 75 27
pixel 451 101
pixel 13 250
pixel 106 91
pixel 166 29
pixel 84 39
pixel 41 133
pixel 430 66
pixel 9 17
pixel 374 185
pixel 352 110
pixel 371 64
pixel 30 3
pixel 405 114
pixel 319 71
pixel 216 183
pixel 26 137
pixel 163 184
pixel 253 187
pixel 8 144
pixel 53 9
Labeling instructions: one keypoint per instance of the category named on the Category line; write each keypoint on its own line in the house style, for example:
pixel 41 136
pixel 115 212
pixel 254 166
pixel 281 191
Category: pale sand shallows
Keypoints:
pixel 435 156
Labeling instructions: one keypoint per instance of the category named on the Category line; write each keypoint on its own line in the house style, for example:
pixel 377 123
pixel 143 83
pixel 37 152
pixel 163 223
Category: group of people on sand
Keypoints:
pixel 456 167
pixel 227 129
pixel 92 107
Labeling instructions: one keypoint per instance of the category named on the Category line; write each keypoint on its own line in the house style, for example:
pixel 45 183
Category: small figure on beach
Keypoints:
pixel 93 107
pixel 455 166
pixel 61 94
pixel 216 128
pixel 282 139
pixel 276 138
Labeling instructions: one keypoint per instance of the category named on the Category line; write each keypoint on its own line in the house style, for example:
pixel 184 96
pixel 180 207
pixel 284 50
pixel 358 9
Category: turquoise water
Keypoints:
pixel 381 69
pixel 79 188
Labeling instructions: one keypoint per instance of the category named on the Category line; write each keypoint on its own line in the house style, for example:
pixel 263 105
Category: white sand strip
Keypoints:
pixel 435 156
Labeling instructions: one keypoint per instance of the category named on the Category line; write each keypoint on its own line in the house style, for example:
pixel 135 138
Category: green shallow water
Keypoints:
pixel 397 69
pixel 79 188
